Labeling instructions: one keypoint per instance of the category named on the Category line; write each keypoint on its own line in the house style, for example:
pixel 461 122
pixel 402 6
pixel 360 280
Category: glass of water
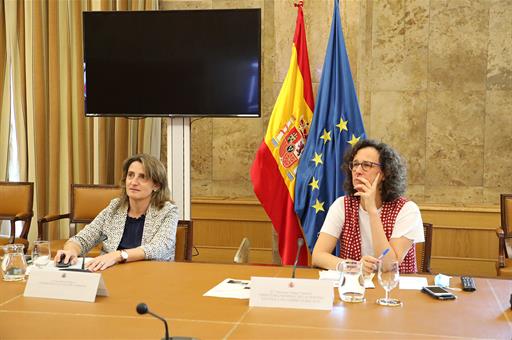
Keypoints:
pixel 41 253
pixel 388 275
pixel 13 264
pixel 351 287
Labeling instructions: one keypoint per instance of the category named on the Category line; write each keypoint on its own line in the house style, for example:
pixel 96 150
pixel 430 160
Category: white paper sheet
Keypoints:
pixel 51 265
pixel 408 282
pixel 332 275
pixel 231 288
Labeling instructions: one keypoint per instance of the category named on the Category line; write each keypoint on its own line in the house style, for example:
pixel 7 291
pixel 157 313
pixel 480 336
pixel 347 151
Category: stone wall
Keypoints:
pixel 434 80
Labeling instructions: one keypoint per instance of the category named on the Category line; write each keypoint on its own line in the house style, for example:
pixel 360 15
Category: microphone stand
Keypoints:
pixel 300 243
pixel 142 308
pixel 165 324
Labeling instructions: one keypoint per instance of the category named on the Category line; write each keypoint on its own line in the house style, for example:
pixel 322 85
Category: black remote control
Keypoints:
pixel 468 283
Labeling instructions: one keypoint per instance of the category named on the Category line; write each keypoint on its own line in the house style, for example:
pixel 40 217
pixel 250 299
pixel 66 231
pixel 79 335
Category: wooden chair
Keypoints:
pixel 423 250
pixel 504 234
pixel 184 241
pixel 86 202
pixel 16 205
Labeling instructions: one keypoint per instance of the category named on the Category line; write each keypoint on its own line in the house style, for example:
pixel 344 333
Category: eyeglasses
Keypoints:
pixel 365 165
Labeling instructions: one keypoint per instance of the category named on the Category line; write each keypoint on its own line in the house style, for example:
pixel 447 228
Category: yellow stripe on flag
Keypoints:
pixel 289 124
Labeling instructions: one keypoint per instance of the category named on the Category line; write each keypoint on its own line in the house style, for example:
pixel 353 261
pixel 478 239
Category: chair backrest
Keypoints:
pixel 506 222
pixel 184 241
pixel 242 254
pixel 506 213
pixel 424 250
pixel 17 199
pixel 88 200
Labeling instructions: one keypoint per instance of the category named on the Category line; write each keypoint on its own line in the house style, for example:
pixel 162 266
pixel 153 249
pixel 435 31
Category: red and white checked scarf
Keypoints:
pixel 350 240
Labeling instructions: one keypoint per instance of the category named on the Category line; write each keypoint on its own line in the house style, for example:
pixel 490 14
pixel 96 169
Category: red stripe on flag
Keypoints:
pixel 273 194
pixel 302 58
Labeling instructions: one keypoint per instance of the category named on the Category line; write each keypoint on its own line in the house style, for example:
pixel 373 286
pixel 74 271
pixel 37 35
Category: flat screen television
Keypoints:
pixel 173 63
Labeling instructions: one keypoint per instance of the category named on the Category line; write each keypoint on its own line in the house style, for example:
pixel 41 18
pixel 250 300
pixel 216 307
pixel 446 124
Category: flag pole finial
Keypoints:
pixel 299 3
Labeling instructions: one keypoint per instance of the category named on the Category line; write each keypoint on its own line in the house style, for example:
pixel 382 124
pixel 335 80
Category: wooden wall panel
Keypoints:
pixel 230 233
pixel 226 254
pixel 464 250
pixel 483 217
pixel 464 240
pixel 463 266
pixel 220 225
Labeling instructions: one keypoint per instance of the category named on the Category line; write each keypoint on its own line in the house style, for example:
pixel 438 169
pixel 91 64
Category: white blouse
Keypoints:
pixel 408 224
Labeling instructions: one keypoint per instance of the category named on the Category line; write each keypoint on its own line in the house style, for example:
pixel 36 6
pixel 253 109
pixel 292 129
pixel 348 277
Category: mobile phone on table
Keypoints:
pixel 438 292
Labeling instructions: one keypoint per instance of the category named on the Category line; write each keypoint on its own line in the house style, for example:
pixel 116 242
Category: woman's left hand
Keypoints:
pixel 102 262
pixel 369 264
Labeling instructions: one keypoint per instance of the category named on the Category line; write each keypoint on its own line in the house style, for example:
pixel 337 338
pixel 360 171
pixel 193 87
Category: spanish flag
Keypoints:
pixel 274 169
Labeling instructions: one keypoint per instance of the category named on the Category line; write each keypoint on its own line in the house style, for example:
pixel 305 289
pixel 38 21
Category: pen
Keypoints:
pixel 383 253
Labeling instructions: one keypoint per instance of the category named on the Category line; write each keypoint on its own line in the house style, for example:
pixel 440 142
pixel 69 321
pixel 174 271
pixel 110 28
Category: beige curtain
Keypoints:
pixel 57 144
pixel 4 95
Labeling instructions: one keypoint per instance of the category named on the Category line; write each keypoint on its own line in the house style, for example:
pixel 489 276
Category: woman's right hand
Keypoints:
pixel 368 192
pixel 69 255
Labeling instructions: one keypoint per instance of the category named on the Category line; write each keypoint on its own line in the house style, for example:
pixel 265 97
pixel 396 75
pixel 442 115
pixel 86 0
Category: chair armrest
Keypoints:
pixel 23 217
pixel 501 246
pixel 48 218
pixel 18 217
pixel 51 218
pixel 27 219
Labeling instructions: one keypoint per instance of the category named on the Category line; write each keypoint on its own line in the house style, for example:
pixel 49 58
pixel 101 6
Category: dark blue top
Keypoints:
pixel 132 234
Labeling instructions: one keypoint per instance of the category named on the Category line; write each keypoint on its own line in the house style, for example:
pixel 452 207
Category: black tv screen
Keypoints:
pixel 173 63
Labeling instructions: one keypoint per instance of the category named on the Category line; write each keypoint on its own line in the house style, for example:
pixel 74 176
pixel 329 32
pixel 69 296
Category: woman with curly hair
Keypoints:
pixel 374 215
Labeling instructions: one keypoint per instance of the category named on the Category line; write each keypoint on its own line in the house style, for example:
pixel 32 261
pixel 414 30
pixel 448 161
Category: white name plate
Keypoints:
pixel 65 285
pixel 291 293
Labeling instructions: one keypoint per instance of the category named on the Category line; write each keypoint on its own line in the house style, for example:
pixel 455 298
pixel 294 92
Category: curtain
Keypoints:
pixel 4 95
pixel 57 144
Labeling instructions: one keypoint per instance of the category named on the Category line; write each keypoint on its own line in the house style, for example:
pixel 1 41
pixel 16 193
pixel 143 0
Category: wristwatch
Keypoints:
pixel 124 256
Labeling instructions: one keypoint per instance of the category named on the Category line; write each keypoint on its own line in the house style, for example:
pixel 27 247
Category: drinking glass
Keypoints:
pixel 388 276
pixel 351 287
pixel 41 253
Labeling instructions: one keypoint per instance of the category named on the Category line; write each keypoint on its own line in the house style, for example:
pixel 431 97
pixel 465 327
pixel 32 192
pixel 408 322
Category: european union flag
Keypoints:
pixel 336 126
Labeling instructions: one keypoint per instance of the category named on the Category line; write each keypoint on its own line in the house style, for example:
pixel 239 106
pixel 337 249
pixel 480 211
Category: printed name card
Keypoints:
pixel 291 293
pixel 65 285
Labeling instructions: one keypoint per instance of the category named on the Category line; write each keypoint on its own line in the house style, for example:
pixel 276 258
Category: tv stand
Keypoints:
pixel 178 163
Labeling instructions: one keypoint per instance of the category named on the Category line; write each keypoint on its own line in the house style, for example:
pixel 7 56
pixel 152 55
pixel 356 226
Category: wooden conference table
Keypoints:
pixel 175 291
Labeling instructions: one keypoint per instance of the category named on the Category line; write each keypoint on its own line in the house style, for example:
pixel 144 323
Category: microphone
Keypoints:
pixel 142 308
pixel 300 243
